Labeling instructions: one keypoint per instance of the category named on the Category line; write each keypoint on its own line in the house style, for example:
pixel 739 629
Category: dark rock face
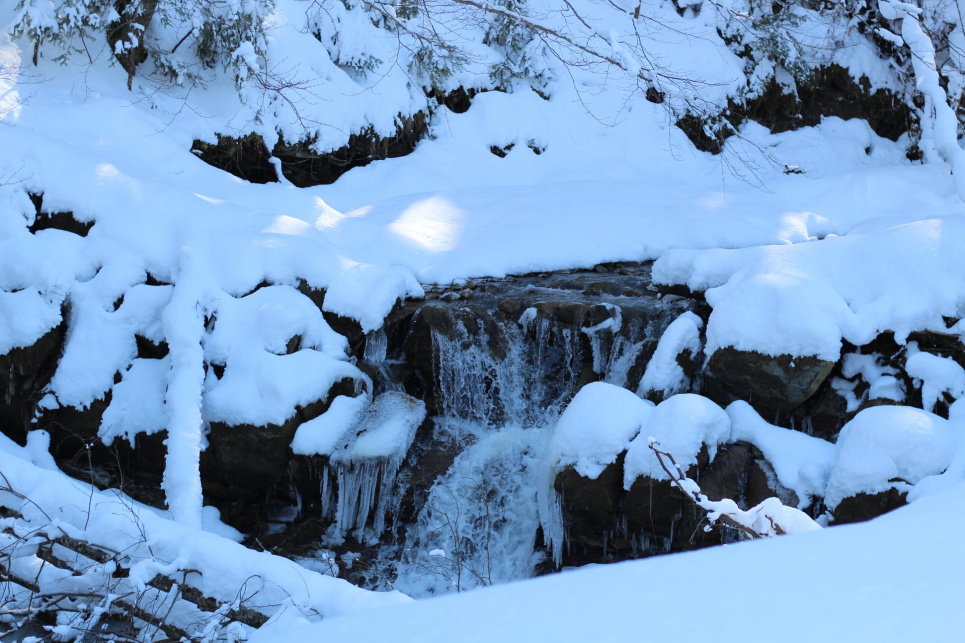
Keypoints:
pixel 23 373
pixel 774 386
pixel 248 157
pixel 864 506
pixel 603 522
pixel 248 462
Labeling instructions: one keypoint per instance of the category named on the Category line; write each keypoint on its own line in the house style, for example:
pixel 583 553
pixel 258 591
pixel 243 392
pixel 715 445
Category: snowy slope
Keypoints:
pixel 897 578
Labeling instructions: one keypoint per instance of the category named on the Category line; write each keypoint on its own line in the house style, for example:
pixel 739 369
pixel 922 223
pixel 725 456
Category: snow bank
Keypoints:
pixel 803 299
pixel 852 576
pixel 155 544
pixel 889 447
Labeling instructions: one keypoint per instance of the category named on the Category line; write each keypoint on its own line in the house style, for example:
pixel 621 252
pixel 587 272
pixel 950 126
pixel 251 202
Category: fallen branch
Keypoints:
pixel 769 518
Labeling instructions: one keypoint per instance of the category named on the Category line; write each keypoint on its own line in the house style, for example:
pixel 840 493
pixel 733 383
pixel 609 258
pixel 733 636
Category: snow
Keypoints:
pixel 851 575
pixel 802 463
pixel 938 375
pixel 664 373
pixel 682 425
pixel 596 427
pixel 889 447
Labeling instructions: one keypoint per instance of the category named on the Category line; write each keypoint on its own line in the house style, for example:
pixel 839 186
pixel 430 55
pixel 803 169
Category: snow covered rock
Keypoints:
pixel 881 454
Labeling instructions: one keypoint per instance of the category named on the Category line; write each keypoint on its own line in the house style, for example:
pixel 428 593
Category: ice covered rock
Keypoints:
pixel 365 448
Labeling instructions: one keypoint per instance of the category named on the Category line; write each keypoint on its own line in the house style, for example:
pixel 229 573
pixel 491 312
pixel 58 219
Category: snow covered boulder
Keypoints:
pixel 774 386
pixel 585 464
pixel 690 428
pixel 614 498
pixel 881 454
pixel 245 461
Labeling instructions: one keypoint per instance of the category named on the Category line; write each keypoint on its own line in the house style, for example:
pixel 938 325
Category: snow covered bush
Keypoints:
pixel 230 34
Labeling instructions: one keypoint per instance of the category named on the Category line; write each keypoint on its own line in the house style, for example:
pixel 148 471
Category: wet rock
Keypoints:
pixel 590 506
pixel 450 296
pixel 727 476
pixel 823 414
pixel 864 506
pixel 774 386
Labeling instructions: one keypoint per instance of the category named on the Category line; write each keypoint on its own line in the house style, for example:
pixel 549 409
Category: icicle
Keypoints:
pixel 376 347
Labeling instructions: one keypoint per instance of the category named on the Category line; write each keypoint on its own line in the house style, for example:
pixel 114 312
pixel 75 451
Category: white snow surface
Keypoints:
pixel 682 425
pixel 853 576
pixel 890 447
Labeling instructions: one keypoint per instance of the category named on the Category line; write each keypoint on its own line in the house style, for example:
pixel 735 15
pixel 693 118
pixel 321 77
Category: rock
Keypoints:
pixel 727 476
pixel 23 374
pixel 863 506
pixel 255 459
pixel 450 296
pixel 823 414
pixel 465 293
pixel 774 386
pixel 590 507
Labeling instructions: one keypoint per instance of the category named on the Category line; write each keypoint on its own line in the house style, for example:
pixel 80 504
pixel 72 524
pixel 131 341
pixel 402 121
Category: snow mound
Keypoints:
pixel 682 425
pixel 803 299
pixel 889 447
pixel 596 427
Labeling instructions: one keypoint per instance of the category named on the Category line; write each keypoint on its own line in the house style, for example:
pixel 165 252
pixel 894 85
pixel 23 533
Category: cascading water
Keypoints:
pixel 497 379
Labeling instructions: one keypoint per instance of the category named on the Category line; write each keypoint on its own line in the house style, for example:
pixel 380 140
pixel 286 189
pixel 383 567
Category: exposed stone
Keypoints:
pixel 590 506
pixel 864 506
pixel 252 460
pixel 774 386
pixel 450 296
pixel 248 157
pixel 23 374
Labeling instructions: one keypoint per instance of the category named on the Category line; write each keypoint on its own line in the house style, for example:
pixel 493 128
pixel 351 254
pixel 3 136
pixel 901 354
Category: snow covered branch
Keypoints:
pixel 769 518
